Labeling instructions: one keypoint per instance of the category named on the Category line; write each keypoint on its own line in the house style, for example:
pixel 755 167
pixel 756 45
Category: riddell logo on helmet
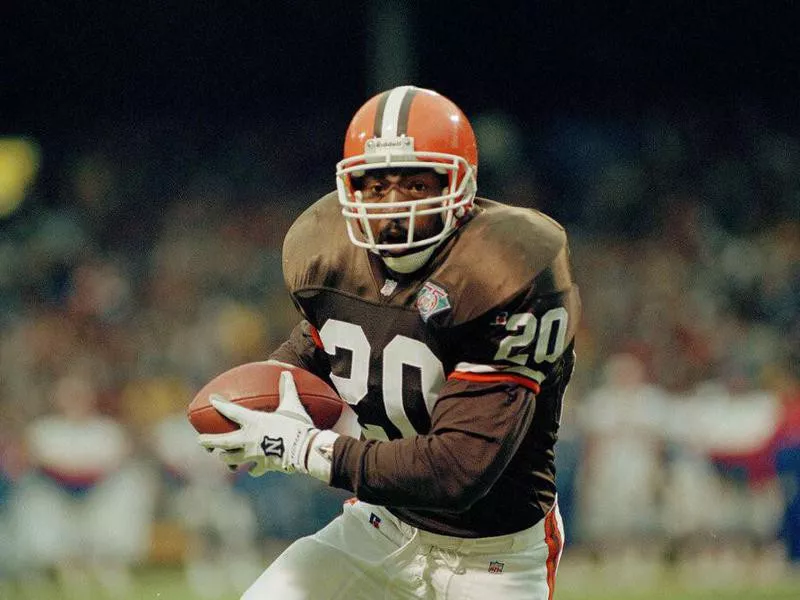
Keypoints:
pixel 403 143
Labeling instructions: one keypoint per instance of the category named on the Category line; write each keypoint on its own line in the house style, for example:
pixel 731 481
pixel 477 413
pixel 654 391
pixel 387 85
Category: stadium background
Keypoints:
pixel 153 154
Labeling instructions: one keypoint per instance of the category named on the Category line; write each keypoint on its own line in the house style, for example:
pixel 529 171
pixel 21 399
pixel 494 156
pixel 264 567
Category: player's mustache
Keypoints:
pixel 392 233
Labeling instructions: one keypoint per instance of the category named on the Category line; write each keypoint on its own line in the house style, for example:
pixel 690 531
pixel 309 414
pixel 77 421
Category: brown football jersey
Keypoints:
pixel 456 371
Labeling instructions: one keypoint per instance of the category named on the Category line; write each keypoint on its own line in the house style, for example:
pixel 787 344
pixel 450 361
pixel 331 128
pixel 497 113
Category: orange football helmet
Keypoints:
pixel 408 127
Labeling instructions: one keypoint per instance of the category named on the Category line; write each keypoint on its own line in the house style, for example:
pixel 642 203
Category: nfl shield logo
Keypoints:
pixel 496 566
pixel 389 286
pixel 431 299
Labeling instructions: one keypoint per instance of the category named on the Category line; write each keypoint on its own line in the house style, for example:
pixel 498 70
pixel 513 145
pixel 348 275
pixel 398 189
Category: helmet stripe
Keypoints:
pixel 379 114
pixel 395 105
pixel 405 107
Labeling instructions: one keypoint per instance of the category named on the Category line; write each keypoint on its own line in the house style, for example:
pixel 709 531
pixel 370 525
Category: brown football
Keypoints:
pixel 255 385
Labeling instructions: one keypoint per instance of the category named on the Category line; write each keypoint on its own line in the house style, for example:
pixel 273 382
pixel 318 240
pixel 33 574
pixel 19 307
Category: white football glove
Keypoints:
pixel 284 440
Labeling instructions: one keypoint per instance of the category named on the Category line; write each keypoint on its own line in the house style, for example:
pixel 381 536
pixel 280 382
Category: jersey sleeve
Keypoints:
pixel 476 430
pixel 522 340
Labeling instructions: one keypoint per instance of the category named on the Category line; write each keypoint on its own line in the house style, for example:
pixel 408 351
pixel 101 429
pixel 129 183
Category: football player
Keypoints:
pixel 446 322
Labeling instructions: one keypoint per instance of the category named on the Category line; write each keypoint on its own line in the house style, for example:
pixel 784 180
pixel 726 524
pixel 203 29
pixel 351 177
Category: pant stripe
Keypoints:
pixel 552 533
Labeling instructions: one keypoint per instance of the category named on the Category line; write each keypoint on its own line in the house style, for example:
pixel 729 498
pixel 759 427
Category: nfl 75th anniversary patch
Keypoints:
pixel 432 299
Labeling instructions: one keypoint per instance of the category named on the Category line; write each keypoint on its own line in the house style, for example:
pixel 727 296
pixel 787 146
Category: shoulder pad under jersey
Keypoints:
pixel 317 253
pixel 501 252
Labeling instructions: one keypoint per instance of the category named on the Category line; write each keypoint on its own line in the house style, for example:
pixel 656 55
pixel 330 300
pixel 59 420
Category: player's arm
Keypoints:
pixel 477 428
pixel 481 416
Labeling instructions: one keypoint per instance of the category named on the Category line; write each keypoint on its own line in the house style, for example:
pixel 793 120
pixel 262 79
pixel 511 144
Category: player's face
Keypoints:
pixel 399 187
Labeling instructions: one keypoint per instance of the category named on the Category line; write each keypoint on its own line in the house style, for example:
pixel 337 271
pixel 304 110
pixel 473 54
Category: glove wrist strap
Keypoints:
pixel 320 455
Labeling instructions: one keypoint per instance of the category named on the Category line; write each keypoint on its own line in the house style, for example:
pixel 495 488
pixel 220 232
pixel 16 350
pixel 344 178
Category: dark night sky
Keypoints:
pixel 65 65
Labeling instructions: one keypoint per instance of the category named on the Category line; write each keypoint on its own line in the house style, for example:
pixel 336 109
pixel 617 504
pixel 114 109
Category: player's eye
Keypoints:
pixel 417 187
pixel 376 189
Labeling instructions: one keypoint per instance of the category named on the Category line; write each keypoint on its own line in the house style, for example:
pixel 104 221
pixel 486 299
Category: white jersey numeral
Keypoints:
pixel 526 322
pixel 548 346
pixel 549 334
pixel 340 334
pixel 400 351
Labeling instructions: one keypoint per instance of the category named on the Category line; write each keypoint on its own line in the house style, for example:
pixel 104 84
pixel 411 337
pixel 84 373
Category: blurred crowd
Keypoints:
pixel 146 259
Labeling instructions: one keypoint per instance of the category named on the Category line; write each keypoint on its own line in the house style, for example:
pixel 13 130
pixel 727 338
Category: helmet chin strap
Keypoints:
pixel 409 263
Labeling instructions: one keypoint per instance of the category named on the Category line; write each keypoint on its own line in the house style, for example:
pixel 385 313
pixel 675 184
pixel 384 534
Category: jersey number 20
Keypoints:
pixel 545 338
pixel 400 351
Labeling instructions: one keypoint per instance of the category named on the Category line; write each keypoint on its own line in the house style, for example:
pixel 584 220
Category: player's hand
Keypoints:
pixel 269 441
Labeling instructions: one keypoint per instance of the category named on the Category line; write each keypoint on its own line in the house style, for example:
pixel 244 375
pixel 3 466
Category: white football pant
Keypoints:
pixel 368 554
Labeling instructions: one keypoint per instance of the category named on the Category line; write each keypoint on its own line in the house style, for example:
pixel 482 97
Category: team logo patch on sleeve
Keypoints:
pixel 432 299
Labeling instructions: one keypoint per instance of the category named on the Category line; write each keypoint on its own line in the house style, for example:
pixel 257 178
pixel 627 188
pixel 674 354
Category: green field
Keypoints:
pixel 577 581
pixel 164 585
